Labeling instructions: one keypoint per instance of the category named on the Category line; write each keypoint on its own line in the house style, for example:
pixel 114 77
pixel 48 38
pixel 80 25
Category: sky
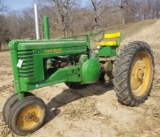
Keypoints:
pixel 18 5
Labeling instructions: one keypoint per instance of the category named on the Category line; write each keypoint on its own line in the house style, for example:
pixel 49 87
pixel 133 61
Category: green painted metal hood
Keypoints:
pixel 39 44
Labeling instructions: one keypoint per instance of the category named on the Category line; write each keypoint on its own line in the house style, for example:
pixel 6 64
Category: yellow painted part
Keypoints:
pixel 29 117
pixel 141 74
pixel 108 43
pixel 112 35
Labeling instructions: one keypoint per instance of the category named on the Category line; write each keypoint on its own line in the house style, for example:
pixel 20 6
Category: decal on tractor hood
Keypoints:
pixel 52 50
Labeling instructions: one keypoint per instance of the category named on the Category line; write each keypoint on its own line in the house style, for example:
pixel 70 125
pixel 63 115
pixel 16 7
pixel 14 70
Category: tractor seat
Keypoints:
pixel 111 39
pixel 109 44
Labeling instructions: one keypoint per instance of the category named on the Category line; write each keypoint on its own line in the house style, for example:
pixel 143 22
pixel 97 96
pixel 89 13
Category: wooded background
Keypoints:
pixel 69 17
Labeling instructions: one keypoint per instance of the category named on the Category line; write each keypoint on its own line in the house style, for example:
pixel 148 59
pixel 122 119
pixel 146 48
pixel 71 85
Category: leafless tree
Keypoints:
pixel 63 12
pixel 95 7
pixel 3 26
pixel 67 16
pixel 100 9
pixel 121 5
pixel 3 7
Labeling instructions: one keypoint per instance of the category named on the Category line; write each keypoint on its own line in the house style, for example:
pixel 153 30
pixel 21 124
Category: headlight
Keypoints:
pixel 98 47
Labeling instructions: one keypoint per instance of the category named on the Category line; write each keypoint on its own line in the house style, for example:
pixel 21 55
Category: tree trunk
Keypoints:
pixel 123 16
pixel 0 47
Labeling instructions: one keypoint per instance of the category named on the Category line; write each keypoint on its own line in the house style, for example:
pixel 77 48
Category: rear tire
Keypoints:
pixel 133 73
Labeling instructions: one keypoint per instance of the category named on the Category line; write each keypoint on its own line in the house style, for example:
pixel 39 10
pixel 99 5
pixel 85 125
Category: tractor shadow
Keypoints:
pixel 71 95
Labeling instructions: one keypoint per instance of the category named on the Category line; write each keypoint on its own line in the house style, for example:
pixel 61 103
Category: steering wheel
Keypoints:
pixel 97 33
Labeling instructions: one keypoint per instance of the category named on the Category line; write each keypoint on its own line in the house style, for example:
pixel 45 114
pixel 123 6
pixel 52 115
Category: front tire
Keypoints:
pixel 9 103
pixel 27 115
pixel 133 74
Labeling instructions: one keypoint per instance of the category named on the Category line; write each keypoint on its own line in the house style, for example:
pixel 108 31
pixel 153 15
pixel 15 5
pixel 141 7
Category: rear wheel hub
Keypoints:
pixel 140 76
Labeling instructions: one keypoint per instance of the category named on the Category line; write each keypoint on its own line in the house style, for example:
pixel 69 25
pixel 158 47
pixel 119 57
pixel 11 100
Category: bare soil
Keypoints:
pixel 93 111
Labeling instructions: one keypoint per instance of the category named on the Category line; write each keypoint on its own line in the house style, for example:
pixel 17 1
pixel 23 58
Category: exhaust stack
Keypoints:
pixel 46 27
pixel 36 21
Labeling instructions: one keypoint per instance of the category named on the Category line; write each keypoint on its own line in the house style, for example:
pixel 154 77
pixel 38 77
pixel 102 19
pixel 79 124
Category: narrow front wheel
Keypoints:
pixel 9 103
pixel 27 115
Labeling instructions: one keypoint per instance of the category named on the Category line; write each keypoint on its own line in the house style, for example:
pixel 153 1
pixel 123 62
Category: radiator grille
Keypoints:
pixel 27 69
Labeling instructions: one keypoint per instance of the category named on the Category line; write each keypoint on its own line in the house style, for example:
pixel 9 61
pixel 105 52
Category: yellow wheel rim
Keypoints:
pixel 141 74
pixel 29 117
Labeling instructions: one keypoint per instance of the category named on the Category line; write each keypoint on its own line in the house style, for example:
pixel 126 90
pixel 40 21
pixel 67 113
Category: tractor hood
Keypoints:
pixel 46 44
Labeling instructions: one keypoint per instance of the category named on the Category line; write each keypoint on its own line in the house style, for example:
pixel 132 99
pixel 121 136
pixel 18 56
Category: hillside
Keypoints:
pixel 144 31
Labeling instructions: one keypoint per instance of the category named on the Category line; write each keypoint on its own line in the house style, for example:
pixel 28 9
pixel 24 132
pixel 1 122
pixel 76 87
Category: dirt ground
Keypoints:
pixel 90 112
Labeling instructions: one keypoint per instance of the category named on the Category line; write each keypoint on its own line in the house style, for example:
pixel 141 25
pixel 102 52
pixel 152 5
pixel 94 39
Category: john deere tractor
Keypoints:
pixel 71 60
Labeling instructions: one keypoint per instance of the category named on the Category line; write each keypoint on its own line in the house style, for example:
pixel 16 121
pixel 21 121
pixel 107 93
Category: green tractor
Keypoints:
pixel 45 62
